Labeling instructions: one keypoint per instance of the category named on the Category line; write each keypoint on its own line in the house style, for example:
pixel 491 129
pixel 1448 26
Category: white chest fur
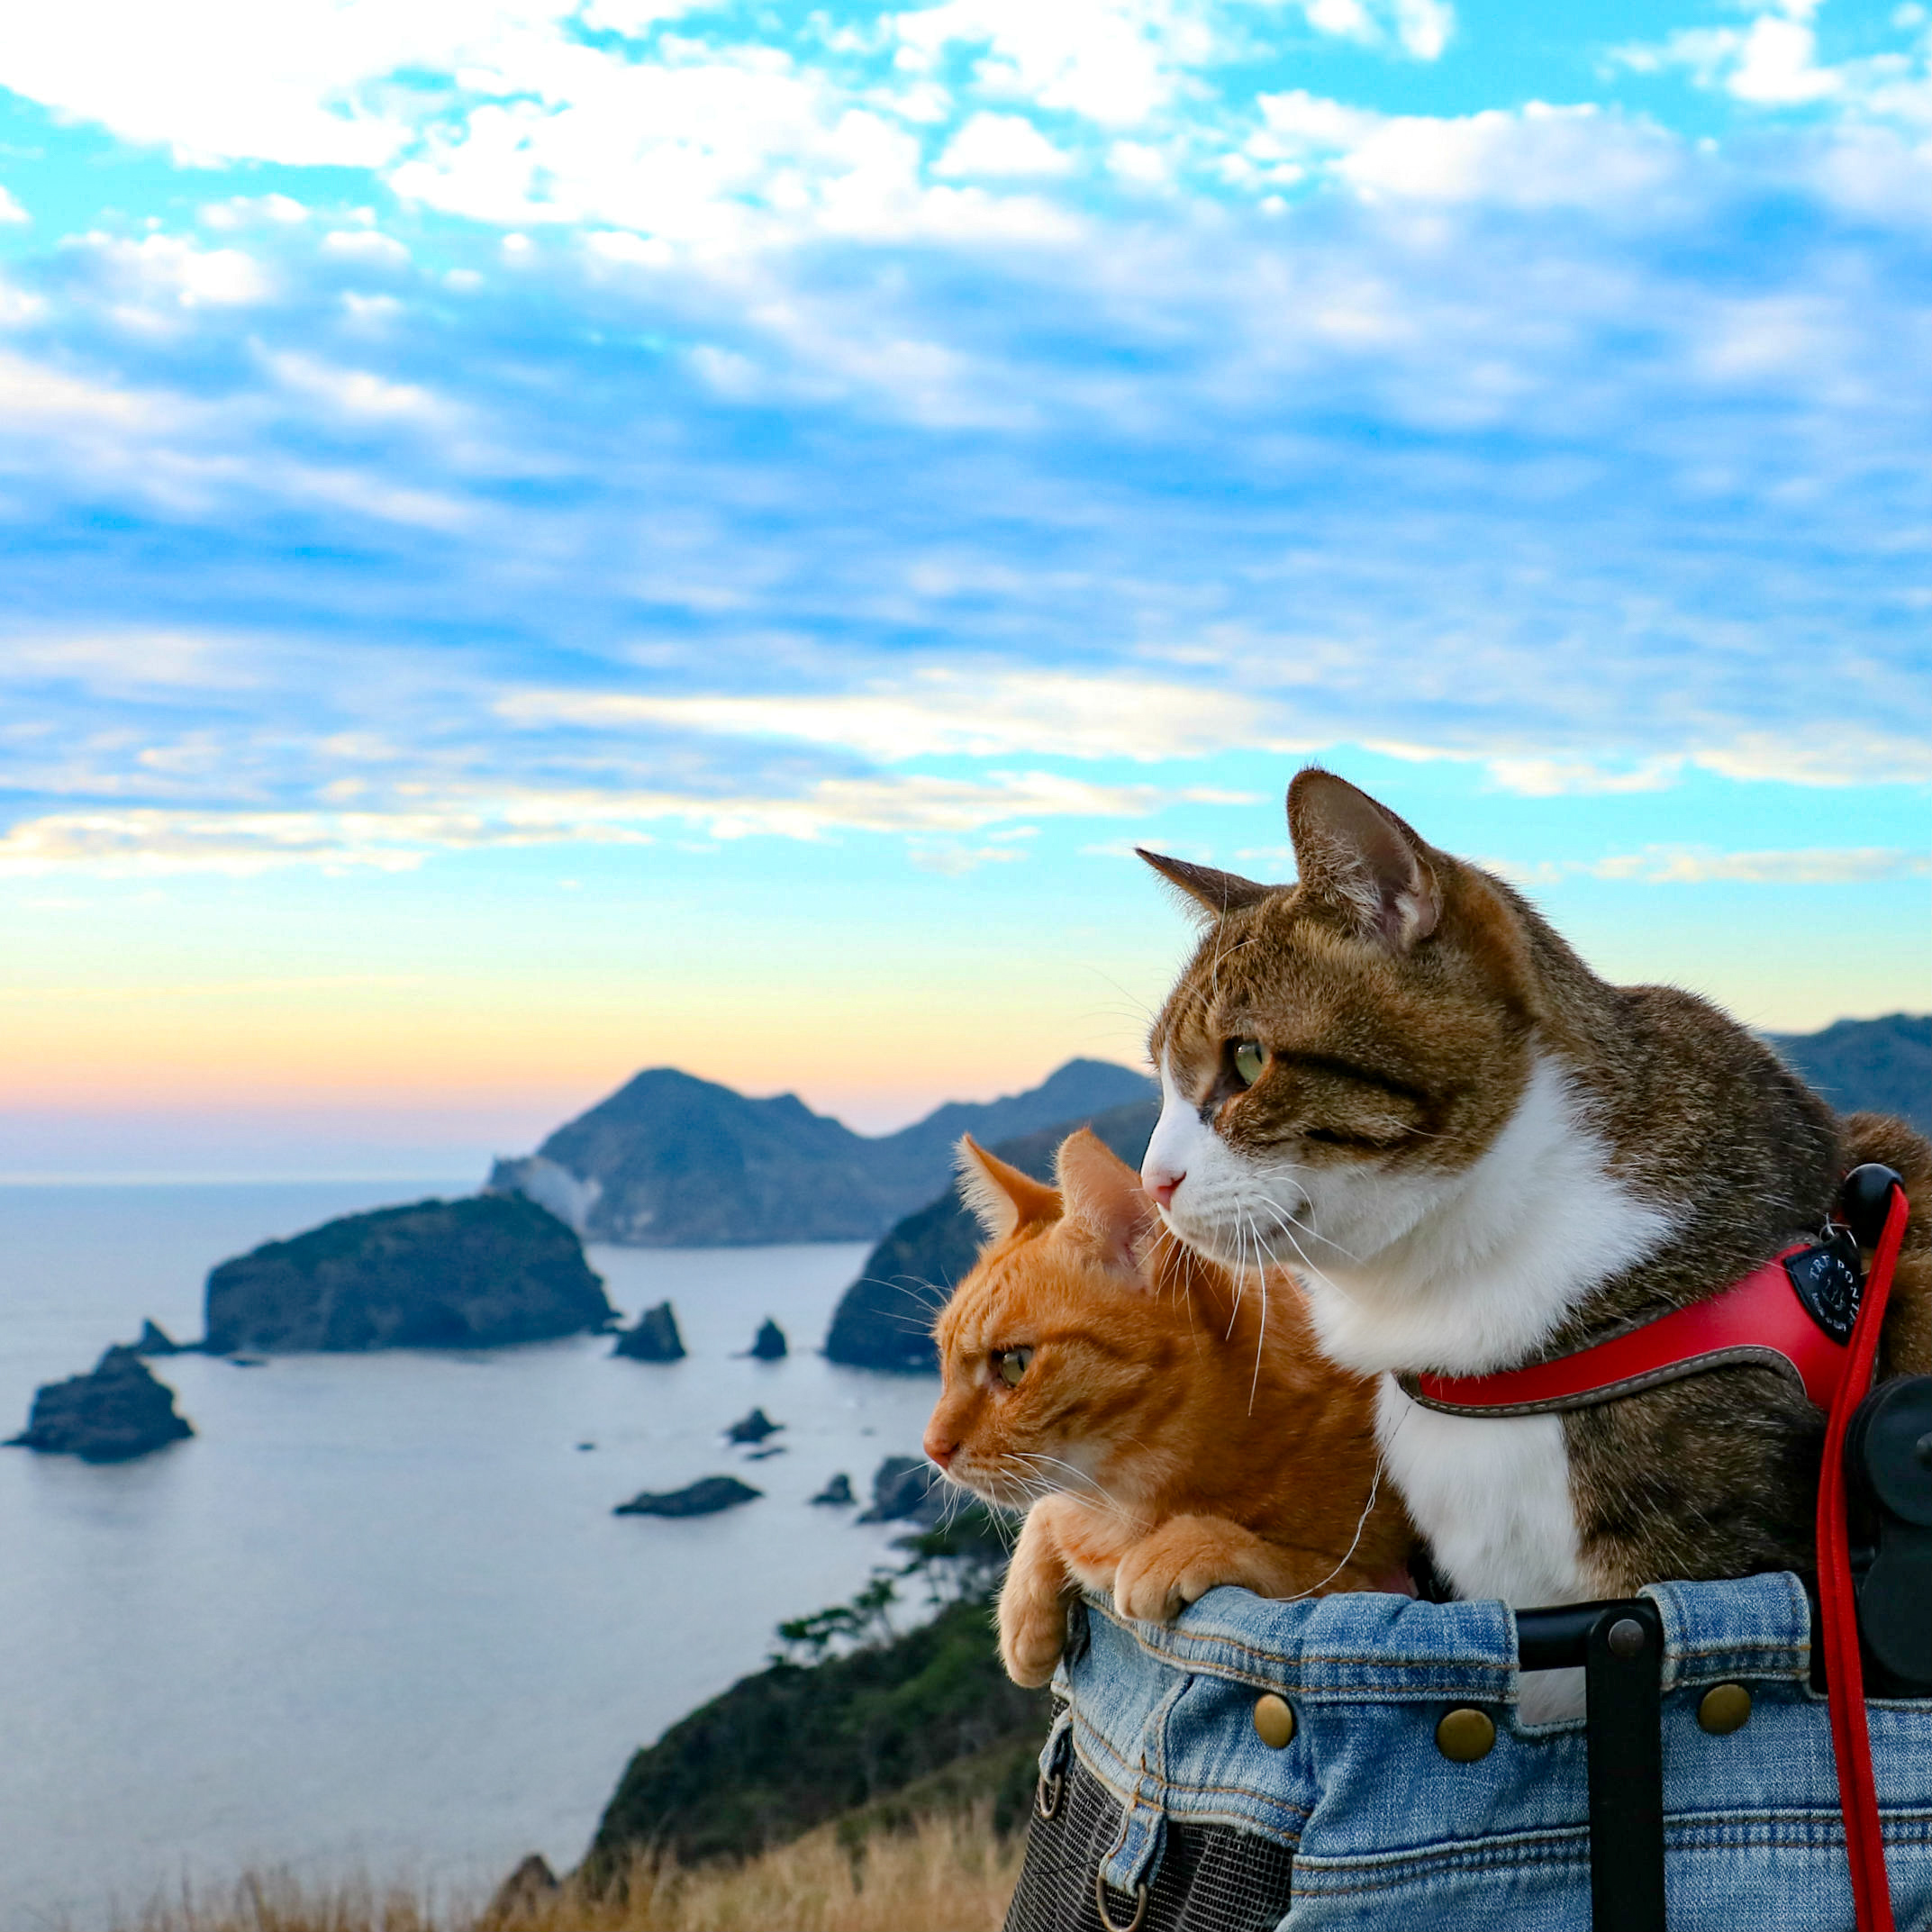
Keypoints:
pixel 1492 1495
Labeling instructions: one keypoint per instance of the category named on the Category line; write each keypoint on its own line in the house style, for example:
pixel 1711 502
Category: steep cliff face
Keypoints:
pixel 114 1413
pixel 474 1274
pixel 883 1319
pixel 671 1161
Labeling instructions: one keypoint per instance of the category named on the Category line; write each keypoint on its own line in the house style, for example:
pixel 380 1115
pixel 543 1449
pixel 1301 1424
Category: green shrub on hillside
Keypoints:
pixel 795 1746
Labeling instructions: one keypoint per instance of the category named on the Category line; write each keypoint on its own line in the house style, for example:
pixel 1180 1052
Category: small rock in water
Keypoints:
pixel 753 1427
pixel 113 1415
pixel 704 1497
pixel 582 1447
pixel 838 1492
pixel 904 1489
pixel 524 1893
pixel 766 1453
pixel 654 1339
pixel 769 1344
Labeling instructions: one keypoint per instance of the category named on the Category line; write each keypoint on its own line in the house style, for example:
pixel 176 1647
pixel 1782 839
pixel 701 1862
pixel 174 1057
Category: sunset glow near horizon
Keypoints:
pixel 559 536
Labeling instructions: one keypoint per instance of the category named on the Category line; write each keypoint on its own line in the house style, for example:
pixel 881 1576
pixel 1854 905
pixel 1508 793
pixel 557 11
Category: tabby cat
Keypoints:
pixel 1395 1078
pixel 1164 1421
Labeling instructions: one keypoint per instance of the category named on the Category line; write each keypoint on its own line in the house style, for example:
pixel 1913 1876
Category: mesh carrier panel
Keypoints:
pixel 1211 1878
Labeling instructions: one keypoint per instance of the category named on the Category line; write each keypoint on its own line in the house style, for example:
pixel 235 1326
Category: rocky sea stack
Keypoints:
pixel 155 1339
pixel 704 1497
pixel 113 1415
pixel 654 1339
pixel 769 1344
pixel 474 1274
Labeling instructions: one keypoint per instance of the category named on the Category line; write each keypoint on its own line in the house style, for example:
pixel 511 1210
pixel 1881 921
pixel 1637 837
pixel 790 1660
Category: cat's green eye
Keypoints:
pixel 1250 1058
pixel 1012 1364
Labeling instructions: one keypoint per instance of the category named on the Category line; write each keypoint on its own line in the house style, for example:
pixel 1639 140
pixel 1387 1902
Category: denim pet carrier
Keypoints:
pixel 1358 1762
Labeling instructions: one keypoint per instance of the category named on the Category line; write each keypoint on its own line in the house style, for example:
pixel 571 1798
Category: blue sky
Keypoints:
pixel 543 537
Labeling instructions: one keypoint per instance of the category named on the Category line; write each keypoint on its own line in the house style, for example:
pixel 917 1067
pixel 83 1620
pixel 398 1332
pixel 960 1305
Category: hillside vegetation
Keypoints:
pixel 797 1745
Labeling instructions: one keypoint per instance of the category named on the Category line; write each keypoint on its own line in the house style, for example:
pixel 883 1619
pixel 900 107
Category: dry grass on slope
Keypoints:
pixel 946 1874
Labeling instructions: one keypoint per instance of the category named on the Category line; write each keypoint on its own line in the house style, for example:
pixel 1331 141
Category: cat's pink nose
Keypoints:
pixel 1160 1183
pixel 939 1449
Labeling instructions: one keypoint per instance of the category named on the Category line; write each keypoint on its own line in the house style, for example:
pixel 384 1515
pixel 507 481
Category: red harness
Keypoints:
pixel 1760 1319
pixel 1775 1316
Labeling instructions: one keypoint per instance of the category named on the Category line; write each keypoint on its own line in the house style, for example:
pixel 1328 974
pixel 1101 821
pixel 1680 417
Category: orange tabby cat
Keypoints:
pixel 1169 1431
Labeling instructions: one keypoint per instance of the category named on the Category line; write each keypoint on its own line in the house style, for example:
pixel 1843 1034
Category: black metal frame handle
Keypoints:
pixel 1621 1647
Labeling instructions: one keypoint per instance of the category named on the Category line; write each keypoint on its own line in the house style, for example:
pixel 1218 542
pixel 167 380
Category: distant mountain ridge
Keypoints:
pixel 1871 1065
pixel 673 1161
pixel 883 1320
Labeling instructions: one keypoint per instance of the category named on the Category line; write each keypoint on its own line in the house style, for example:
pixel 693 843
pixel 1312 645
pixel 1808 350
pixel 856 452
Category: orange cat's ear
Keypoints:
pixel 1360 857
pixel 1104 1196
pixel 1002 1197
pixel 1204 890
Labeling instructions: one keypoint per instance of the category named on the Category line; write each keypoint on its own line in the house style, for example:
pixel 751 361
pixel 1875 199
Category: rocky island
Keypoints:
pixel 111 1415
pixel 882 1320
pixel 474 1274
pixel 653 1339
pixel 705 1497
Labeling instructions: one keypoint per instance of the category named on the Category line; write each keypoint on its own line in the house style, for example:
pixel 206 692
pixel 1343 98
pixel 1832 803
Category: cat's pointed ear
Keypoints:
pixel 1103 1195
pixel 1358 856
pixel 1203 889
pixel 1002 1197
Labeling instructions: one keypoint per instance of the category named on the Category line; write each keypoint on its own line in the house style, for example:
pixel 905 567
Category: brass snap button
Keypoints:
pixel 1463 1736
pixel 1274 1721
pixel 1724 1709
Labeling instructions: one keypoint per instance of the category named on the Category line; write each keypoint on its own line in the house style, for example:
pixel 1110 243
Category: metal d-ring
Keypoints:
pixel 1099 1902
pixel 1046 1795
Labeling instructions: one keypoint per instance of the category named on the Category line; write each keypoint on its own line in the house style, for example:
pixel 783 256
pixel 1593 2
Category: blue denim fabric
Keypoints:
pixel 1388 1832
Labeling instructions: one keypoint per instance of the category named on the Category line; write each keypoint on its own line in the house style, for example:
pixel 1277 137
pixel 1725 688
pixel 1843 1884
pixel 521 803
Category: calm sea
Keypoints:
pixel 378 1617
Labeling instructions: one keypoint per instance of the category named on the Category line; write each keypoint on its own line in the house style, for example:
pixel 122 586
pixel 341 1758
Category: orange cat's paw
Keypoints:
pixel 1032 1635
pixel 1166 1572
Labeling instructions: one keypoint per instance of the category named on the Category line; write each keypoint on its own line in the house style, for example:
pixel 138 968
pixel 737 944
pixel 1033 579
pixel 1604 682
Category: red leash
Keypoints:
pixel 1851 1741
pixel 1768 1319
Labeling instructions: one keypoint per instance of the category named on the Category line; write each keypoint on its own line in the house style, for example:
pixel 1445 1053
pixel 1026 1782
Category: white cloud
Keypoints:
pixel 1002 145
pixel 253 211
pixel 1545 777
pixel 1532 156
pixel 942 713
pixel 34 394
pixel 1113 62
pixel 1773 62
pixel 1424 27
pixel 148 841
pixel 1684 865
pixel 366 245
pixel 1420 28
pixel 210 78
pixel 169 268
pixel 124 660
pixel 11 212
pixel 359 392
